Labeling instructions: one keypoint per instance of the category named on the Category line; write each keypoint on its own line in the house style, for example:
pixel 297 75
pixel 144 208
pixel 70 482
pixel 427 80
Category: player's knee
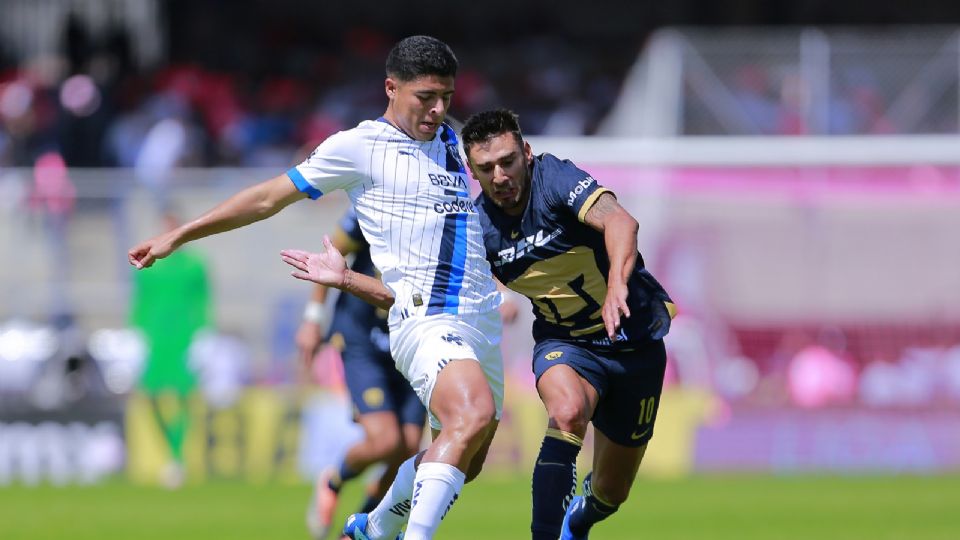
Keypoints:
pixel 477 421
pixel 569 416
pixel 386 444
pixel 472 424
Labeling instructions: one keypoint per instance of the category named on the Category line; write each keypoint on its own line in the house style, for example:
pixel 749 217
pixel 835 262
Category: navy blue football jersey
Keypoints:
pixel 361 324
pixel 550 256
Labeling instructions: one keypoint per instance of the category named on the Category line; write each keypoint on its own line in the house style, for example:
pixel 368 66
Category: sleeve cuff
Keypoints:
pixel 302 184
pixel 582 214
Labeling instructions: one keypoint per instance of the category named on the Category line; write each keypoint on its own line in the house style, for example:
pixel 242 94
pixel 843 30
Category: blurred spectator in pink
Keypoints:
pixel 822 373
pixel 53 197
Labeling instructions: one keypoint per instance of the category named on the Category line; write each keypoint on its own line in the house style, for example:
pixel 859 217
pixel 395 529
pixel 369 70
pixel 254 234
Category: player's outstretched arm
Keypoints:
pixel 619 230
pixel 248 206
pixel 329 268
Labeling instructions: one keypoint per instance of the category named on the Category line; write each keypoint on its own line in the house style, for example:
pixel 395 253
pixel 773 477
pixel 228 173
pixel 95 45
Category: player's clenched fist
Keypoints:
pixel 144 254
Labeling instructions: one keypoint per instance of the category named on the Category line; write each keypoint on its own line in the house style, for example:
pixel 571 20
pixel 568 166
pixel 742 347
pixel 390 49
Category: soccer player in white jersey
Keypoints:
pixel 403 174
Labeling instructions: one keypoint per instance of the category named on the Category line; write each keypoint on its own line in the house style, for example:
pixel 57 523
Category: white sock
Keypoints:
pixel 389 516
pixel 436 487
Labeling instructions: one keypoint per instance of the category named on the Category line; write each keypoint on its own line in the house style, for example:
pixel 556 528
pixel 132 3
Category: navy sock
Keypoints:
pixel 343 474
pixel 591 511
pixel 554 482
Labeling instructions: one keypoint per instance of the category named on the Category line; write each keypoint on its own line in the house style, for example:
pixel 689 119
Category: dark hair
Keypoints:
pixel 417 56
pixel 486 125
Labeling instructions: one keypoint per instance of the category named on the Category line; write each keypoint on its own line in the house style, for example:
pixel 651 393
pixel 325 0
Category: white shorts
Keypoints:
pixel 422 345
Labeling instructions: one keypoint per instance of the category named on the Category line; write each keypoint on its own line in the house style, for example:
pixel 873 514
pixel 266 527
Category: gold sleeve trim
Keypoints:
pixel 582 214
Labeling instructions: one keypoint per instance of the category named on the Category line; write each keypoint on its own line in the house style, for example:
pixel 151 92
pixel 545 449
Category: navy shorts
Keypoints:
pixel 629 384
pixel 376 386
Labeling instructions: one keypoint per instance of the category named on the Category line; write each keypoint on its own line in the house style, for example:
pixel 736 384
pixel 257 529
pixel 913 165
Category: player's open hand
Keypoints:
pixel 327 268
pixel 144 254
pixel 615 307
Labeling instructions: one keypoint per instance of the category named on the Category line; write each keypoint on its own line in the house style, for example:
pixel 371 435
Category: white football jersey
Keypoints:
pixel 415 210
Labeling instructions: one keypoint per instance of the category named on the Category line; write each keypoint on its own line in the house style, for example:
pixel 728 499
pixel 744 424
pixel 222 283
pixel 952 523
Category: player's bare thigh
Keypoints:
pixel 464 403
pixel 568 398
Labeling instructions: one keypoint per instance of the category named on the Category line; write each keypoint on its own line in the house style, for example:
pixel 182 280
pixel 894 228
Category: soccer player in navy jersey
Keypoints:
pixel 554 235
pixel 403 175
pixel 385 406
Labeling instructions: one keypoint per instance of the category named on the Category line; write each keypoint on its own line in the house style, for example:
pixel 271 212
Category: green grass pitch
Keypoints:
pixel 741 507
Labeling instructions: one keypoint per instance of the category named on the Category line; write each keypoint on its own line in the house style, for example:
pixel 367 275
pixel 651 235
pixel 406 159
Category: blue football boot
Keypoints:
pixel 356 527
pixel 565 533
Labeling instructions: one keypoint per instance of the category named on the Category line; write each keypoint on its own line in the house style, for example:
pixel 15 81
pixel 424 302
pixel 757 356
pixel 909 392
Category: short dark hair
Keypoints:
pixel 486 125
pixel 417 56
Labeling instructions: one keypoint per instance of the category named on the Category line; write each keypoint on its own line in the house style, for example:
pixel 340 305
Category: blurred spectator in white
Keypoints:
pixel 910 381
pixel 223 364
pixel 951 373
pixel 170 142
pixel 24 347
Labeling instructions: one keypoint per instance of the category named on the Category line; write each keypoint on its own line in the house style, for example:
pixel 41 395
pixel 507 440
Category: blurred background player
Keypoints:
pixel 553 234
pixel 170 304
pixel 385 406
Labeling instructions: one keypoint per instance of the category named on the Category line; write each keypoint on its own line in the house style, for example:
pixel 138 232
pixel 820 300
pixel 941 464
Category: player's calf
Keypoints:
pixel 554 482
pixel 436 488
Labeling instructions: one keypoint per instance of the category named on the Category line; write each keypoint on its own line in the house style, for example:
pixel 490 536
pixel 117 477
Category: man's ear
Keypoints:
pixel 390 86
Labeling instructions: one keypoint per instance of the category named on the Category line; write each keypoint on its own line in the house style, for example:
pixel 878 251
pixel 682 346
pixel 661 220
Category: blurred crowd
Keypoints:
pixel 778 101
pixel 239 91
pixel 94 107
pixel 818 367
